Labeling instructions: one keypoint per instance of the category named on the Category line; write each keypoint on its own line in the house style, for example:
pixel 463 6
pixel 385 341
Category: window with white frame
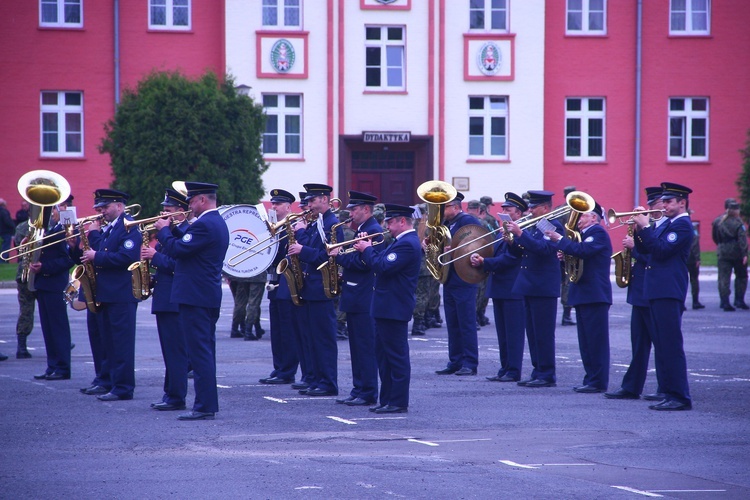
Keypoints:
pixel 169 14
pixel 688 128
pixel 586 17
pixel 283 134
pixel 62 123
pixel 689 17
pixel 488 15
pixel 282 14
pixel 61 13
pixel 385 65
pixel 488 127
pixel 584 128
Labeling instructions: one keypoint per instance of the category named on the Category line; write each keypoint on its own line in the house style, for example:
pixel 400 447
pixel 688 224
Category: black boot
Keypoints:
pixel 740 304
pixel 22 352
pixel 341 333
pixel 725 304
pixel 259 331
pixel 3 357
pixel 435 320
pixel 567 320
pixel 417 328
pixel 247 332
pixel 697 304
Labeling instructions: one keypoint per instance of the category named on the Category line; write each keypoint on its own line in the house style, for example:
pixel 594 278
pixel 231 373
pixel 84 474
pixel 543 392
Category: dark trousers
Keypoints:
pixel 540 331
pixel 283 345
pixel 118 334
pixel 101 365
pixel 174 352
pixel 302 341
pixel 53 315
pixel 669 354
pixel 392 352
pixel 509 323
pixel 593 342
pixel 460 307
pixel 725 277
pixel 362 348
pixel 641 326
pixel 199 325
pixel 320 324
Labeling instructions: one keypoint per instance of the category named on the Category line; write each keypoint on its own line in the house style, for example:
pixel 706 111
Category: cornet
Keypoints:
pixel 330 247
pixel 148 224
pixel 613 216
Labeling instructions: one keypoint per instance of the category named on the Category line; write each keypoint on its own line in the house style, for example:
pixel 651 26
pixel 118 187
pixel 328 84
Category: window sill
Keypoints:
pixel 394 92
pixel 61 28
pixel 688 162
pixel 170 30
pixel 62 158
pixel 586 35
pixel 283 158
pixel 585 162
pixel 487 160
pixel 690 35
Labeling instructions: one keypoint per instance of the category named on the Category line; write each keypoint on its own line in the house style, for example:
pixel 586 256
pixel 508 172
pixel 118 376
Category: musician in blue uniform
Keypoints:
pixel 356 298
pixel 641 323
pixel 112 251
pixel 394 297
pixel 280 307
pixel 591 295
pixel 539 282
pixel 508 306
pixel 51 278
pixel 199 257
pixel 317 310
pixel 171 335
pixel 460 303
pixel 666 285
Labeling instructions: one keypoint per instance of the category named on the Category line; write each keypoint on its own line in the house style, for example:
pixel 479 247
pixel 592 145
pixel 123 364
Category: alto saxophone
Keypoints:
pixel 86 275
pixel 290 267
pixel 141 276
pixel 623 263
pixel 330 270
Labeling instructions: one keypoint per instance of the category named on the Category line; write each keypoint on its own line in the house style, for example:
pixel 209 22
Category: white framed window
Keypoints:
pixel 688 128
pixel 282 14
pixel 690 17
pixel 61 123
pixel 488 15
pixel 61 13
pixel 488 127
pixel 283 135
pixel 584 128
pixel 169 14
pixel 586 17
pixel 385 64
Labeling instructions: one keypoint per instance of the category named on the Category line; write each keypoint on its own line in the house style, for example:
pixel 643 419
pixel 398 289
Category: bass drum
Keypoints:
pixel 463 267
pixel 247 227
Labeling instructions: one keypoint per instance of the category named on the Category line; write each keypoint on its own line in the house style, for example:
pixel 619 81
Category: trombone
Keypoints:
pixel 613 216
pixel 148 224
pixel 345 251
pixel 269 241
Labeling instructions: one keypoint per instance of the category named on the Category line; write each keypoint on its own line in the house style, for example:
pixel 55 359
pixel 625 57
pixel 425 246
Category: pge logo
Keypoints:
pixel 244 236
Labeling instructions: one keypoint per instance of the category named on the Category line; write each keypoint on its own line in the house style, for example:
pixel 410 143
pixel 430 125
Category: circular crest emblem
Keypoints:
pixel 672 237
pixel 589 239
pixel 391 257
pixel 282 56
pixel 187 238
pixel 489 58
pixel 128 244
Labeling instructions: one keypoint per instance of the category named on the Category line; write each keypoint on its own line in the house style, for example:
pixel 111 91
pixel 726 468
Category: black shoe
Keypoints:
pixel 300 385
pixel 741 305
pixel 360 402
pixel 587 389
pixel 113 397
pixel 446 371
pixel 524 383
pixel 568 322
pixel 465 371
pixel 657 396
pixel 3 357
pixel 24 354
pixel 250 336
pixel 275 381
pixel 620 394
pixel 235 334
pixel 196 415
pixel 540 383
pixel 671 405
pixel 191 374
pixel 259 332
pixel 727 307
pixel 341 401
pixel 320 392
pixel 95 390
pixel 698 305
pixel 392 409
pixel 41 376
pixel 376 408
pixel 168 406
pixel 58 376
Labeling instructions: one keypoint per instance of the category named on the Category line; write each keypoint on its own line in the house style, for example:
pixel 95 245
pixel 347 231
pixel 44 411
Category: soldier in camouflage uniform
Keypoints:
pixel 341 329
pixel 247 294
pixel 730 235
pixel 419 326
pixel 694 266
pixel 485 202
pixel 26 301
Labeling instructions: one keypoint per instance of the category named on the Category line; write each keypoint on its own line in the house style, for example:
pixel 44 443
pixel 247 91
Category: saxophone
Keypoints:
pixel 290 267
pixel 86 276
pixel 330 270
pixel 141 276
pixel 623 263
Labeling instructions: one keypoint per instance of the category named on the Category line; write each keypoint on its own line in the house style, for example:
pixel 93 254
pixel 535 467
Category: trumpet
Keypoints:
pixel 613 216
pixel 148 224
pixel 345 251
pixel 269 241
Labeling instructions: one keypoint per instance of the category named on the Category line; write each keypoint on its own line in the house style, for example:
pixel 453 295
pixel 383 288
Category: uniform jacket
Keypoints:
pixel 199 256
pixel 539 275
pixel 461 220
pixel 730 236
pixel 116 249
pixel 358 278
pixel 503 268
pixel 314 254
pixel 667 247
pixel 396 275
pixel 164 276
pixel 56 262
pixel 595 249
pixel 282 291
pixel 636 297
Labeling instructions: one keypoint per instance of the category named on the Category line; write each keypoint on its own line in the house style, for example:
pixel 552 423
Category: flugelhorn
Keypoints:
pixel 613 216
pixel 330 247
pixel 147 224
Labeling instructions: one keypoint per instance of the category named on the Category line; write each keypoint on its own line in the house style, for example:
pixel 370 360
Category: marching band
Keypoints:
pixel 179 259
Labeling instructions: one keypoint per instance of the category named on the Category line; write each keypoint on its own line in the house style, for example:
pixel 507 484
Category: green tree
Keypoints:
pixel 172 128
pixel 743 181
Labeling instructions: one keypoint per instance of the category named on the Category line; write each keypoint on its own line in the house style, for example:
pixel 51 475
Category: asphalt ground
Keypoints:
pixel 464 437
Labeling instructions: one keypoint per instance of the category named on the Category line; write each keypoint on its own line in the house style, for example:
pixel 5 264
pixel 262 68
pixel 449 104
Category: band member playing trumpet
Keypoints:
pixel 539 282
pixel 112 251
pixel 508 306
pixel 356 297
pixel 591 295
pixel 171 335
pixel 317 311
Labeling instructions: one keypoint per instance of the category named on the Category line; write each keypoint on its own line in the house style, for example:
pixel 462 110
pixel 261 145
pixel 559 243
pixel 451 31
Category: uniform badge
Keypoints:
pixel 187 238
pixel 589 239
pixel 672 237
pixel 391 257
pixel 128 244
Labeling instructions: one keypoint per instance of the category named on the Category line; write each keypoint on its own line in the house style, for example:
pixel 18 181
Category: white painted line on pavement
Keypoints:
pixel 623 366
pixel 419 339
pixel 223 386
pixel 461 440
pixel 308 488
pixel 560 465
pixel 379 418
pixel 688 491
pixel 514 464
pixel 342 420
pixel 639 492
pixel 428 443
pixel 275 400
pixel 702 375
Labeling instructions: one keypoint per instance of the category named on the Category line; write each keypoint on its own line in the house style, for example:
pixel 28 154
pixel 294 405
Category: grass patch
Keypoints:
pixel 8 271
pixel 708 259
